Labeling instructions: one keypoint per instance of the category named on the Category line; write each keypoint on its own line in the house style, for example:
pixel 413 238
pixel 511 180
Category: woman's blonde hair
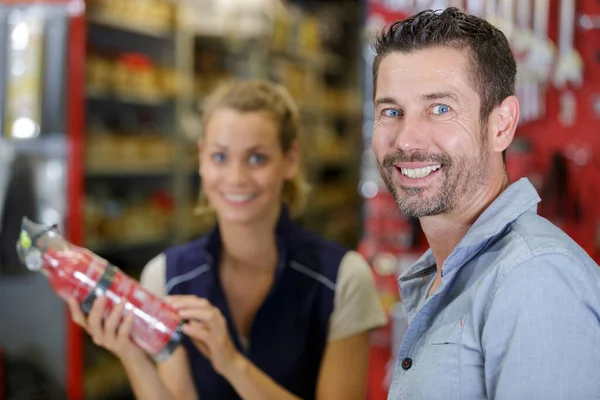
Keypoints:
pixel 274 99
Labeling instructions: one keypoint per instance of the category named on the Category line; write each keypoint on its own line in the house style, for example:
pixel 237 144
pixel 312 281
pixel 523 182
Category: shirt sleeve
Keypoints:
pixel 153 276
pixel 357 307
pixel 541 338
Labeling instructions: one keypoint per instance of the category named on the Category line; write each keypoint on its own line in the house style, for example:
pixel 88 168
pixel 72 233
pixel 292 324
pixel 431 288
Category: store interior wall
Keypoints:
pixel 136 58
pixel 145 78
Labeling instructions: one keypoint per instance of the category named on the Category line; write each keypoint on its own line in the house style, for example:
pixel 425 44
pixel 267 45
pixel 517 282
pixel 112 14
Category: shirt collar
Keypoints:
pixel 517 199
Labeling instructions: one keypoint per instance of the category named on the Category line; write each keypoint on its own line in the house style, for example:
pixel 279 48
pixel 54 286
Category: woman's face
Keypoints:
pixel 243 167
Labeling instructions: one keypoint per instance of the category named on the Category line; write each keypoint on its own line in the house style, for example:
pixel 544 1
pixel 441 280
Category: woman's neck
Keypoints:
pixel 250 246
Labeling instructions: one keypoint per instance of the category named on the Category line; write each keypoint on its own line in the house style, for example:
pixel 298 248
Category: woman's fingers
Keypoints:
pixel 95 320
pixel 197 330
pixel 124 329
pixel 187 301
pixel 200 334
pixel 111 322
pixel 76 314
pixel 207 315
pixel 111 331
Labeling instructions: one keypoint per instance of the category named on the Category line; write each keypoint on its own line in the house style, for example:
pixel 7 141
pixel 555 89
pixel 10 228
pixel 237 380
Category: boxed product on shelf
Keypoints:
pixel 127 153
pixel 110 220
pixel 136 75
pixel 296 31
pixel 98 74
pixel 131 76
pixel 218 18
pixel 342 101
pixel 156 15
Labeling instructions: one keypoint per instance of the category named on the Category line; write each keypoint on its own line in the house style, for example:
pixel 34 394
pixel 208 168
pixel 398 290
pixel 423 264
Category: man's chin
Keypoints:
pixel 416 205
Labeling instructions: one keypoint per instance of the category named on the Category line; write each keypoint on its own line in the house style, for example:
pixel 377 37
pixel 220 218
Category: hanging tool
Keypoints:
pixel 439 4
pixel 568 108
pixel 506 18
pixel 521 43
pixel 540 58
pixel 570 66
pixel 569 69
pixel 523 35
pixel 491 12
pixel 475 7
pixel 596 106
pixel 589 22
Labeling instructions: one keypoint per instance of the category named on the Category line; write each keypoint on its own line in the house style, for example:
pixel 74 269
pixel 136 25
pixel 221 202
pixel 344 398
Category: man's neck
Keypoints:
pixel 250 246
pixel 444 232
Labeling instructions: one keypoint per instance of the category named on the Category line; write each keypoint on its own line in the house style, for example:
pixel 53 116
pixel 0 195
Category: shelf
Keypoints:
pixel 107 380
pixel 129 26
pixel 123 171
pixel 331 114
pixel 317 60
pixel 331 158
pixel 97 95
pixel 129 245
pixel 119 171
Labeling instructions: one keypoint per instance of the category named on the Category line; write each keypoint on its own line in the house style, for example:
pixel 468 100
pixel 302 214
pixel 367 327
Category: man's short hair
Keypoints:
pixel 493 68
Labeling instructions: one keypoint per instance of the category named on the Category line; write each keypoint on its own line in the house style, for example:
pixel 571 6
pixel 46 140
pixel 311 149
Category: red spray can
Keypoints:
pixel 77 272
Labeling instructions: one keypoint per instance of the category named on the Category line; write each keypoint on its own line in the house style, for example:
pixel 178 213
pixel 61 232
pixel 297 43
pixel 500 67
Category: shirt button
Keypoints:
pixel 406 363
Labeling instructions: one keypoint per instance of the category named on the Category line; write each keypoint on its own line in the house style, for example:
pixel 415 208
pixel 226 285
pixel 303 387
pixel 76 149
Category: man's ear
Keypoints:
pixel 200 145
pixel 503 123
pixel 293 157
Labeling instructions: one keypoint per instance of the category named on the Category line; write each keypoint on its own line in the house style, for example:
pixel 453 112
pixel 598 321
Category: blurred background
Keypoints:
pixel 100 103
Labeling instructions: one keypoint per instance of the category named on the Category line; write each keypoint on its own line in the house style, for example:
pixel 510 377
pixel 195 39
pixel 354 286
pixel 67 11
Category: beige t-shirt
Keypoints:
pixel 356 306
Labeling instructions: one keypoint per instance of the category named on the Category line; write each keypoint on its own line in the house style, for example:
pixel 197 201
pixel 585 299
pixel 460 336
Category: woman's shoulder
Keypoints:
pixel 321 255
pixel 192 246
pixel 173 262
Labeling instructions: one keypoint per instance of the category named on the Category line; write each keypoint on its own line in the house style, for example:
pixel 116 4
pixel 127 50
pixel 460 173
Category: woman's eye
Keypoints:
pixel 441 109
pixel 257 158
pixel 218 157
pixel 392 112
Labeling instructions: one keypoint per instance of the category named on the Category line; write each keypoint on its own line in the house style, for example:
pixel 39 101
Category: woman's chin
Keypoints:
pixel 244 215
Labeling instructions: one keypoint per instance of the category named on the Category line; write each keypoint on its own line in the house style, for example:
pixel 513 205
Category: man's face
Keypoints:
pixel 432 150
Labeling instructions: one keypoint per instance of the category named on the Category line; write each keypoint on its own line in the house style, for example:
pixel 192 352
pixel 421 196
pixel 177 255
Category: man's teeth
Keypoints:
pixel 416 173
pixel 238 198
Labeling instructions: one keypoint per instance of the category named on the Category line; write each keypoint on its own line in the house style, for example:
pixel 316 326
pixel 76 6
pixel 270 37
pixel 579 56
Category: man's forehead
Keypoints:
pixel 439 57
pixel 423 72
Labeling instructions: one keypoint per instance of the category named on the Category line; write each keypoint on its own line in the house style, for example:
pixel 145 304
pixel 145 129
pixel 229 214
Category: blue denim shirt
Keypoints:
pixel 517 315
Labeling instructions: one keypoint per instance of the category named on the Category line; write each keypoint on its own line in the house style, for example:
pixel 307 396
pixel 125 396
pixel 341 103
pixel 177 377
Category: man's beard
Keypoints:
pixel 461 179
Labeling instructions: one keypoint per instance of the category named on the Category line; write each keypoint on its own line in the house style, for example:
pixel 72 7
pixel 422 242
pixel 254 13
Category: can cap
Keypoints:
pixel 27 249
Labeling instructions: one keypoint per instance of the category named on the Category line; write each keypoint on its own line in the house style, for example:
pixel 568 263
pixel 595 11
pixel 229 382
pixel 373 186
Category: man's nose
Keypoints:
pixel 412 135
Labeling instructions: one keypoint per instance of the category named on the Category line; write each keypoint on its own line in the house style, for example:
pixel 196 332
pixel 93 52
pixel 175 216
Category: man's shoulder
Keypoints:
pixel 542 238
pixel 532 239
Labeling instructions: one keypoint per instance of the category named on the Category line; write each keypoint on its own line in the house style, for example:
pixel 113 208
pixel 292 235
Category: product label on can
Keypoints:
pixel 156 324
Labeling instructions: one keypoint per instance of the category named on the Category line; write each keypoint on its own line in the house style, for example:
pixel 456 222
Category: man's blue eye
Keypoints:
pixel 257 158
pixel 391 112
pixel 218 157
pixel 441 109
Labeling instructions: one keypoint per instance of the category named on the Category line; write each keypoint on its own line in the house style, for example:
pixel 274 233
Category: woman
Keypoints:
pixel 274 312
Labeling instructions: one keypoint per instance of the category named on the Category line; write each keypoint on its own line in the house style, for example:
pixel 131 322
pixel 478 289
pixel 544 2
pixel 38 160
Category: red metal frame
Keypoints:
pixel 75 188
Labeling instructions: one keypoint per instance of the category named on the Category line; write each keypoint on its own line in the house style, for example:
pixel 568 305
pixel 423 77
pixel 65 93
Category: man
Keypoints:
pixel 503 305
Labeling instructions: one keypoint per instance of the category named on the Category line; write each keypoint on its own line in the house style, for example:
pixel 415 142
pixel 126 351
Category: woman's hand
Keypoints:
pixel 111 332
pixel 208 330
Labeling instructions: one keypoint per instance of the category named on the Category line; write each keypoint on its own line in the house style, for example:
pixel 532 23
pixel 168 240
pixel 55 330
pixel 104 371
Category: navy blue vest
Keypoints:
pixel 289 333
